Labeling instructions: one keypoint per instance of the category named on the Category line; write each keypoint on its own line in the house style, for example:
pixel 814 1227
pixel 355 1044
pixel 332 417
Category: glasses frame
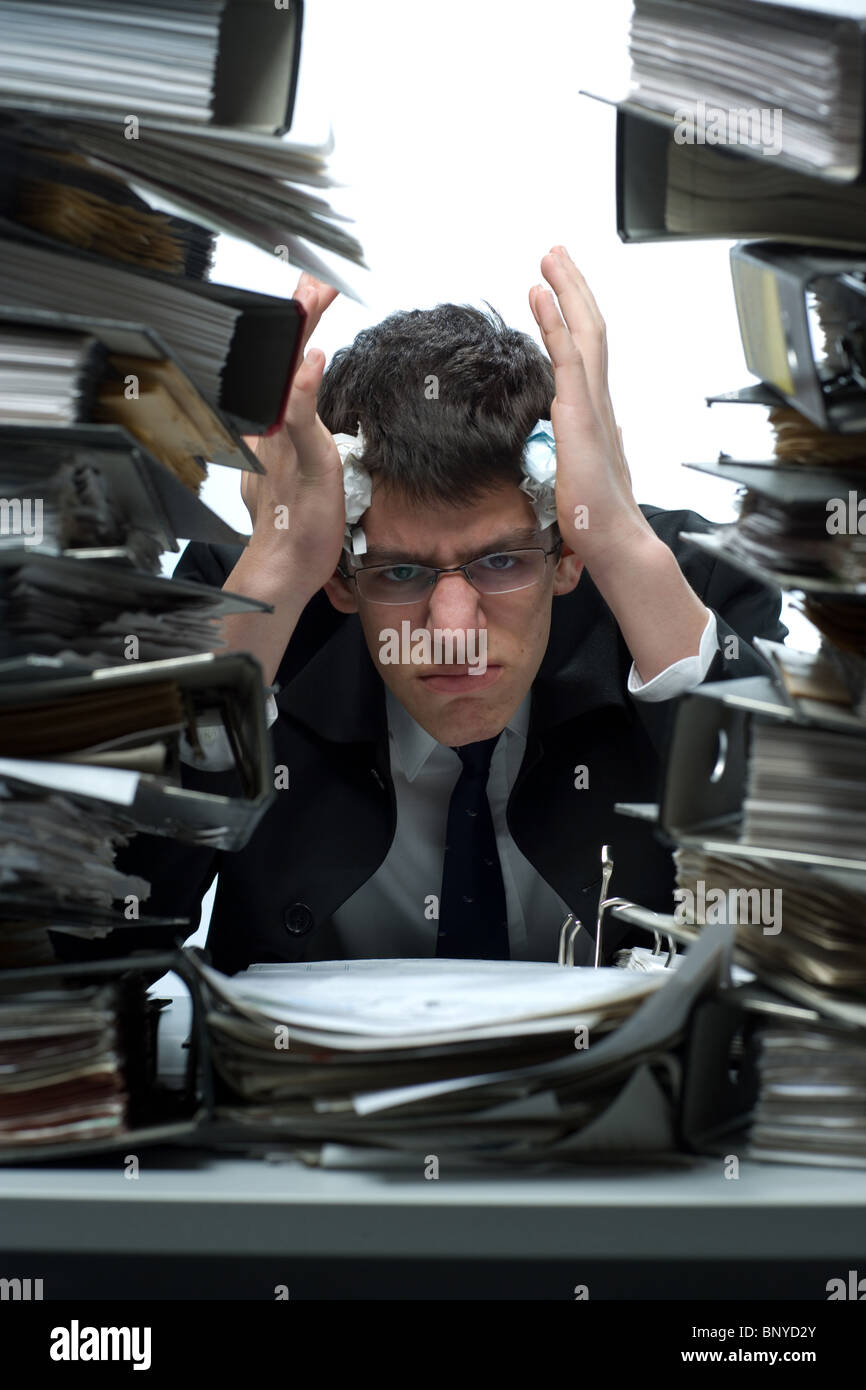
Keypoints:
pixel 352 574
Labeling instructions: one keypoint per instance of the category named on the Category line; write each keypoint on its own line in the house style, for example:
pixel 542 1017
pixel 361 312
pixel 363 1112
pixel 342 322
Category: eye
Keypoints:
pixel 503 561
pixel 400 574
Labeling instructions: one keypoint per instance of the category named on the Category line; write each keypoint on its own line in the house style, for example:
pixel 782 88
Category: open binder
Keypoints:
pixel 116 710
pixel 126 348
pixel 60 463
pixel 238 66
pixel 639 1094
pixel 239 346
pixel 669 191
pixel 154 1114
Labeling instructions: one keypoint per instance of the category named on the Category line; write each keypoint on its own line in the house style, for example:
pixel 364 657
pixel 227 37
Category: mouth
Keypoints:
pixel 460 680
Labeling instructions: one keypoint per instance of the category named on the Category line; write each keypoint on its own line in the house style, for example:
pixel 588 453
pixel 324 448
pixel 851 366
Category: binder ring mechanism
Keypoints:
pixel 571 926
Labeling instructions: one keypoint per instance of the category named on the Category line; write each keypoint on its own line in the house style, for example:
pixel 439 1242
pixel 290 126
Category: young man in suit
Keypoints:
pixel 448 808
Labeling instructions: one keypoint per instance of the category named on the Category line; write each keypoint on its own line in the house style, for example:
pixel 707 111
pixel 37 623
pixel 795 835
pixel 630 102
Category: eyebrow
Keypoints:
pixel 511 540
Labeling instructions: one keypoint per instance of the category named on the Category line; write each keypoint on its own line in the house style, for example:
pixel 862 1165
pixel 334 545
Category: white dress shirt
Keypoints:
pixel 395 913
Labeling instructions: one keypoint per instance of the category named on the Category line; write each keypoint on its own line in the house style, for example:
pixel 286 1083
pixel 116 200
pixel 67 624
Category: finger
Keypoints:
pixel 580 280
pixel 301 405
pixel 572 385
pixel 585 321
pixel 315 297
pixel 580 312
pixel 312 442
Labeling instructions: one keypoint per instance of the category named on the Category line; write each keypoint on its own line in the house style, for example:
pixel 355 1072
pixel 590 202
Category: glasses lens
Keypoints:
pixel 394 583
pixel 502 574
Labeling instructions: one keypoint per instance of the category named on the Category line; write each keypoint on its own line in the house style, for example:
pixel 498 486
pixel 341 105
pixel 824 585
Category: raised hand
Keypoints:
pixel 659 615
pixel 595 503
pixel 297 506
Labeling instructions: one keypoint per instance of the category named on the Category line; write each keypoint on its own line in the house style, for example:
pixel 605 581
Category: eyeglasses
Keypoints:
pixel 502 573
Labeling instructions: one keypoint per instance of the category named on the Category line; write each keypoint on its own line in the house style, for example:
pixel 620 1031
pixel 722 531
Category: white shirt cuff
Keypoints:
pixel 216 750
pixel 683 675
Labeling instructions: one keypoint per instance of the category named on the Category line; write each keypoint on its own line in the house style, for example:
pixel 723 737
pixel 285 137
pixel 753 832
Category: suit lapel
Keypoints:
pixel 339 694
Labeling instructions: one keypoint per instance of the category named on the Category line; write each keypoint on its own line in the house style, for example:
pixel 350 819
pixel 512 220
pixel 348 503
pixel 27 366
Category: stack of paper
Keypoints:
pixel 44 375
pixel 50 853
pixel 709 193
pixel 812 1102
pixel 59 195
pixel 197 327
pixel 804 61
pixel 790 921
pixel 60 1071
pixel 516 1061
pixel 86 488
pixel 248 185
pixel 170 61
pixel 794 539
pixel 806 793
pixel 106 615
pixel 122 736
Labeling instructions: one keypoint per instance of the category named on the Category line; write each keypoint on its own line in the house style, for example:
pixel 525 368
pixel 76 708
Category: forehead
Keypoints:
pixel 443 535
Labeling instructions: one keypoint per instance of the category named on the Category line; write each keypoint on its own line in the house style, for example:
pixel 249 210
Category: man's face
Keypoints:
pixel 503 636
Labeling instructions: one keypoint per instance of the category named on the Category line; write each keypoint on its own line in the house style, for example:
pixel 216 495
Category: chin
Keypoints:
pixel 468 721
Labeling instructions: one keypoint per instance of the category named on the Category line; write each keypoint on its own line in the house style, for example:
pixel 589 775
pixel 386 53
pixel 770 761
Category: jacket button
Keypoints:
pixel 298 919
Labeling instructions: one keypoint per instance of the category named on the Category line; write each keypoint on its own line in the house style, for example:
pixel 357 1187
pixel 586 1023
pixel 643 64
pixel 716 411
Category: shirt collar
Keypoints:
pixel 415 745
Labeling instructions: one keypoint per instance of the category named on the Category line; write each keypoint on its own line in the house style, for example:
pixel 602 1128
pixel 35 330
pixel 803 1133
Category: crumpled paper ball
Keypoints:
pixel 539 465
pixel 357 486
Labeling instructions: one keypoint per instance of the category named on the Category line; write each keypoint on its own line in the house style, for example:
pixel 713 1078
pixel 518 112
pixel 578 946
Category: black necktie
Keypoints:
pixel 473 917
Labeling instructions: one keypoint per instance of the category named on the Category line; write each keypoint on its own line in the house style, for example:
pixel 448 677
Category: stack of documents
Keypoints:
pixel 45 375
pixel 790 921
pixel 60 196
pixel 266 191
pixel 61 1078
pixel 198 328
pixel 62 369
pixel 52 854
pixel 215 332
pixel 122 738
pixel 842 621
pixel 57 867
pixel 88 488
pixel 812 1101
pixel 710 193
pixel 793 539
pixel 106 614
pixel 804 61
pixel 190 60
pixel 513 1061
pixel 210 89
pixel 124 372
pixel 806 792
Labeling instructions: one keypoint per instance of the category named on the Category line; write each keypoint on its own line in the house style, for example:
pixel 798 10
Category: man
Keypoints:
pixel 436 807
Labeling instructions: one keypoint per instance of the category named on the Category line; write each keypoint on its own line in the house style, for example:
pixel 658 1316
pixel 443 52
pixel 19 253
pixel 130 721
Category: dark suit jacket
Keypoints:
pixel 331 829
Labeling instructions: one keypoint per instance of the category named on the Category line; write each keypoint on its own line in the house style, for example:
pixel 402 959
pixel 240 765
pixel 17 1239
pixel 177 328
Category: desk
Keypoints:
pixel 195 1225
pixel 194 1222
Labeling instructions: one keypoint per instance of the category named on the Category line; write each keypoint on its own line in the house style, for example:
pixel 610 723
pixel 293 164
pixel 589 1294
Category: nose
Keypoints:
pixel 455 604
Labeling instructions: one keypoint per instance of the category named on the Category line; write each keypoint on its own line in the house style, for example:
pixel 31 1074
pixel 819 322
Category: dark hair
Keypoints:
pixel 445 399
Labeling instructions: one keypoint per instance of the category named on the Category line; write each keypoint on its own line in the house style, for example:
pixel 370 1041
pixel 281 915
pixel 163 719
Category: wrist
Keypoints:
pixel 609 546
pixel 270 572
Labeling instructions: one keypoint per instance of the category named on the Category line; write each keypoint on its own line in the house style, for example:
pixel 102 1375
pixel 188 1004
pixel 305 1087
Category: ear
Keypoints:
pixel 567 573
pixel 342 593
